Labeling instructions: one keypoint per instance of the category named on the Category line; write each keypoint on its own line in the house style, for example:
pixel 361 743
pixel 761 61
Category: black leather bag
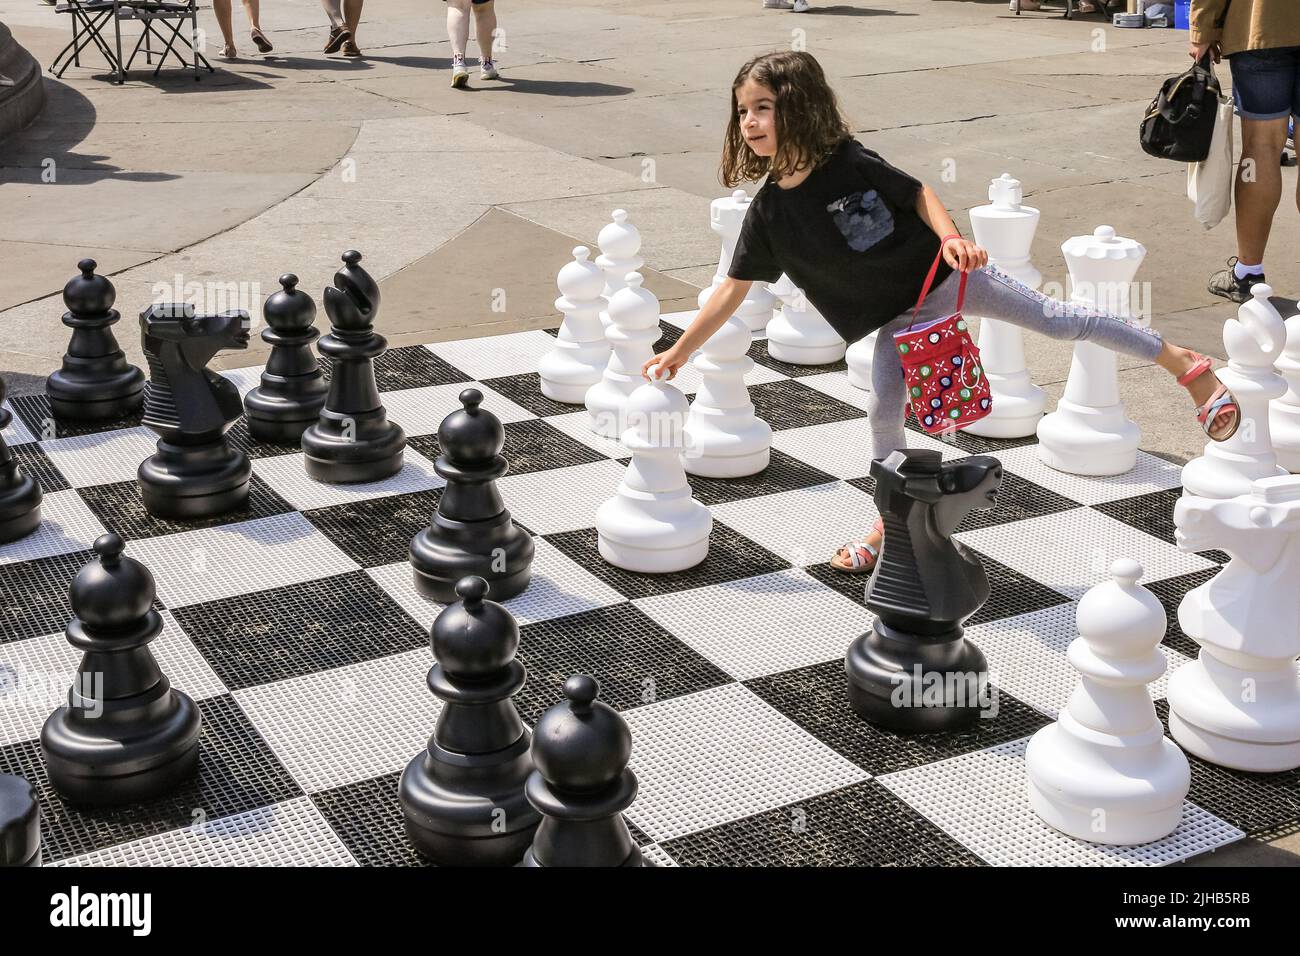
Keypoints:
pixel 1179 123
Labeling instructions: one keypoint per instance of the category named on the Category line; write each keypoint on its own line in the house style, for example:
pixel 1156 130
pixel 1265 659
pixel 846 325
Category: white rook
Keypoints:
pixel 724 438
pixel 1284 412
pixel 1105 772
pixel 632 332
pixel 581 351
pixel 1238 703
pixel 1253 341
pixel 1006 229
pixel 726 215
pixel 1089 433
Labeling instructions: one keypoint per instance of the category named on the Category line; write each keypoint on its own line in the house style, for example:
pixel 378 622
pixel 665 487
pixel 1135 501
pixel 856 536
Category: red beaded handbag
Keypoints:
pixel 941 366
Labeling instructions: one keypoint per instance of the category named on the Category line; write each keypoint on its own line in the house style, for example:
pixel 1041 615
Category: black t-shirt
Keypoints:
pixel 849 236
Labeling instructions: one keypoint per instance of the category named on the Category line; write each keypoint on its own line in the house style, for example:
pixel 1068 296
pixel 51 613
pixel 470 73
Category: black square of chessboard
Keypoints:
pixel 377 531
pixel 34 595
pixel 237 772
pixel 1010 592
pixel 783 473
pixel 1263 804
pixel 816 698
pixel 367 816
pixel 1018 498
pixel 411 366
pixel 792 404
pixel 299 629
pixel 531 445
pixel 525 390
pixel 34 463
pixel 669 334
pixel 635 659
pixel 731 557
pixel 860 825
pixel 35 412
pixel 759 353
pixel 1170 592
pixel 241 440
pixel 1154 514
pixel 119 508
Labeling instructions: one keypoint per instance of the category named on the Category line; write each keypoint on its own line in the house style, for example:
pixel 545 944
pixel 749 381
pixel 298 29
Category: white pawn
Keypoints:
pixel 581 351
pixel 1284 412
pixel 784 289
pixel 632 332
pixel 1238 703
pixel 1089 433
pixel 726 215
pixel 798 334
pixel 1104 772
pixel 859 358
pixel 653 524
pixel 1253 341
pixel 724 438
pixel 1006 229
pixel 620 248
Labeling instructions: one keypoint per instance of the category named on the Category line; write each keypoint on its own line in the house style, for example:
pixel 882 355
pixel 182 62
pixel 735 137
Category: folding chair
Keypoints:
pixel 171 15
pixel 89 19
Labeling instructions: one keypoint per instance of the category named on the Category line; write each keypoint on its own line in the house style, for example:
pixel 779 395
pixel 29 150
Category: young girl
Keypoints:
pixel 859 236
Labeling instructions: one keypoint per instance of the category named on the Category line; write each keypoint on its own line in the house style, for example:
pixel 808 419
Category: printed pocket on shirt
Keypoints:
pixel 863 219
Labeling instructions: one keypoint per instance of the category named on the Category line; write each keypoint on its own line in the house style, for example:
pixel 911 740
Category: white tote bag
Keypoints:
pixel 1209 183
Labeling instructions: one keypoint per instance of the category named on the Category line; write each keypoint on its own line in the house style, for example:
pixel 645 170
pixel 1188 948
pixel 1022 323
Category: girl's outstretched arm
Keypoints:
pixel 719 307
pixel 962 254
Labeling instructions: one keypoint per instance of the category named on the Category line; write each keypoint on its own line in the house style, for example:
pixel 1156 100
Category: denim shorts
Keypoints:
pixel 1266 83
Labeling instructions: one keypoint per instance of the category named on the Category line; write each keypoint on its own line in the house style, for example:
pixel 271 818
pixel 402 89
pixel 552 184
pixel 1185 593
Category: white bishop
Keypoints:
pixel 632 332
pixel 620 248
pixel 581 351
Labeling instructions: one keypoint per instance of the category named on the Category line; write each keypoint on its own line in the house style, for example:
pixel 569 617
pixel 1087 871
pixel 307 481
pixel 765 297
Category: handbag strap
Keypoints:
pixel 929 281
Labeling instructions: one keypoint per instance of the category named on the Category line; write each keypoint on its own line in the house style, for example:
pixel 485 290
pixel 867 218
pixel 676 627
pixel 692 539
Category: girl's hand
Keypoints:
pixel 667 361
pixel 964 256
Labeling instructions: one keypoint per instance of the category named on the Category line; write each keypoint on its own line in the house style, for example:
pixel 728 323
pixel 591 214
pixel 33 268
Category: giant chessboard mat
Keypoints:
pixel 296 627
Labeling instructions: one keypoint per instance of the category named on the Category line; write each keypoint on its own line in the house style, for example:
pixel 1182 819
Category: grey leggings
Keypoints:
pixel 995 295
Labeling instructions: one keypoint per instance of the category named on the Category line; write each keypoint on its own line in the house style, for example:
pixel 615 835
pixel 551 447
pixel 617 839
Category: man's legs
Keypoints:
pixel 1259 185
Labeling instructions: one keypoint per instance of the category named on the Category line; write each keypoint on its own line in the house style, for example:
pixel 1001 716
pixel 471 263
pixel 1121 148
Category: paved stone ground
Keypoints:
pixel 465 203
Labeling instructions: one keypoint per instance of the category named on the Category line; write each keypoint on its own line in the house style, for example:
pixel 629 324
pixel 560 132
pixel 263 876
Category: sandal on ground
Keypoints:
pixel 228 53
pixel 338 36
pixel 1221 403
pixel 862 556
pixel 260 41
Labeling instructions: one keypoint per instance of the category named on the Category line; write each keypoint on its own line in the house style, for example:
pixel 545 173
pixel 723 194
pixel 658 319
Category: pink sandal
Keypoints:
pixel 1222 402
pixel 862 556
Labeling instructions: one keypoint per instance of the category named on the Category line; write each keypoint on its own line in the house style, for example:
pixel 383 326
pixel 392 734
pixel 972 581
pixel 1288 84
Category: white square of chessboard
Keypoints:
pixel 244 379
pixel 577 425
pixel 421 410
pixel 762 625
pixel 1070 551
pixel 1148 475
pixel 980 799
pixel 562 499
pixel 67 525
pixel 346 724
pixel 292 833
pixel 101 458
pixel 211 563
pixel 287 476
pixel 495 356
pixel 1026 656
pixel 722 754
pixel 803 526
pixel 15 433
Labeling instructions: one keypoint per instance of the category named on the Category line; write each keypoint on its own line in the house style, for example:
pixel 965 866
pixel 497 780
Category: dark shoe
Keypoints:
pixel 350 48
pixel 260 41
pixel 338 36
pixel 1225 283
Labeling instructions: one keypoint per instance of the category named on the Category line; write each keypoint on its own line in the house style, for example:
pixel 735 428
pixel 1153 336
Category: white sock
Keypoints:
pixel 1241 270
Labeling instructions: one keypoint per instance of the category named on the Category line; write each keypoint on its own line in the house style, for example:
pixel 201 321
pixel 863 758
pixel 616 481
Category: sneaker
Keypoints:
pixel 459 75
pixel 801 6
pixel 488 69
pixel 1225 283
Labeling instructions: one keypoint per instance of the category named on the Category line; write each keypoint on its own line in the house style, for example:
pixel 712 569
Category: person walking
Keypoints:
pixel 344 15
pixel 221 8
pixel 1261 39
pixel 485 25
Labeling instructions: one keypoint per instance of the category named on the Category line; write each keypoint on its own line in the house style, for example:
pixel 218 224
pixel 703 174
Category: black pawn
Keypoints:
pixel 471 532
pixel 196 472
pixel 353 440
pixel 582 785
pixel 20 496
pixel 463 797
pixel 125 735
pixel 914 671
pixel 96 381
pixel 20 823
pixel 293 389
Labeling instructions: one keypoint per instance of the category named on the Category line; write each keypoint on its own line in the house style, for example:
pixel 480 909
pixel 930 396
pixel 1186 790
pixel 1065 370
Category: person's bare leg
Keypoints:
pixel 334 11
pixel 352 16
pixel 485 24
pixel 221 9
pixel 252 9
pixel 1258 189
pixel 458 26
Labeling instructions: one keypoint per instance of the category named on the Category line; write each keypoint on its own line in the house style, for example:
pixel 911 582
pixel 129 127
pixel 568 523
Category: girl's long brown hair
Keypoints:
pixel 809 123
